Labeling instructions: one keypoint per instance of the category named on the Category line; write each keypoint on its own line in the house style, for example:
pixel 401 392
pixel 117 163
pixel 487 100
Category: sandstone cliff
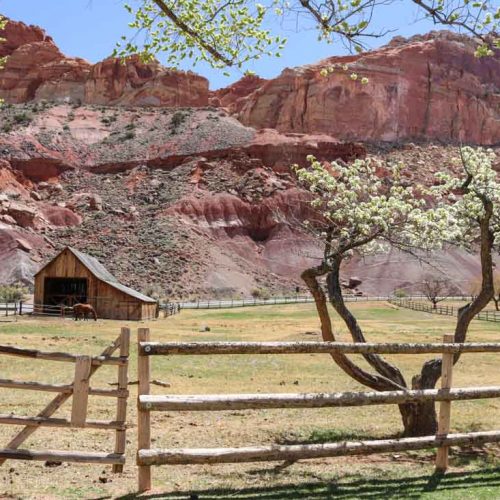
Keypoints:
pixel 37 70
pixel 427 87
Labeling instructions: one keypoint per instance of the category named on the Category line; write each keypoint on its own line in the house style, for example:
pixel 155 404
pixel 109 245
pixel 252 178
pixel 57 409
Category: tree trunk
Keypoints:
pixel 434 304
pixel 419 419
pixel 497 303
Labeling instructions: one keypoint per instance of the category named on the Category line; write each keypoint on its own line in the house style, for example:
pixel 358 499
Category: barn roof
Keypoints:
pixel 101 273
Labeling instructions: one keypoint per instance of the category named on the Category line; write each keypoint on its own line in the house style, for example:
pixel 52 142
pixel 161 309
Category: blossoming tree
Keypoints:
pixel 362 208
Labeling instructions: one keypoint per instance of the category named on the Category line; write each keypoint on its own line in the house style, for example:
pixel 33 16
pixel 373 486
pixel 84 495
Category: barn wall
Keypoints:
pixel 148 310
pixel 66 265
pixel 109 302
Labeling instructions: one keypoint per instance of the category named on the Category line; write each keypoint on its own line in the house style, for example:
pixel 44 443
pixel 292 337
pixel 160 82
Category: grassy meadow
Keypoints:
pixel 475 473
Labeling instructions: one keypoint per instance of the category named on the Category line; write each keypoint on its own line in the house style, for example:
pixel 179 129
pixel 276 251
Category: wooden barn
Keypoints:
pixel 73 276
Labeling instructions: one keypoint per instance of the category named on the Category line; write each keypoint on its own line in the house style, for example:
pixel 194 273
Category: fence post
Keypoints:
pixel 143 416
pixel 121 406
pixel 445 406
pixel 83 367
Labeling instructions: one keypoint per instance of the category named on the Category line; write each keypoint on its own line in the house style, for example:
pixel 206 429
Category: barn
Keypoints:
pixel 73 276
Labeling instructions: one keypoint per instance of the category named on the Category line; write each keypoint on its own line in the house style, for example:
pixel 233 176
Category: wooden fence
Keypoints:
pixel 79 389
pixel 445 310
pixel 147 403
pixel 298 299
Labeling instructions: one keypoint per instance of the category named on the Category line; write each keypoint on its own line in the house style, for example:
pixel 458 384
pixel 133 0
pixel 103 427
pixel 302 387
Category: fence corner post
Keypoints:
pixel 144 421
pixel 121 407
pixel 445 406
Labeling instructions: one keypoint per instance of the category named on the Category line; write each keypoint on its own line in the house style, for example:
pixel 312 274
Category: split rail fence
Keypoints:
pixel 298 299
pixel 445 310
pixel 79 389
pixel 147 403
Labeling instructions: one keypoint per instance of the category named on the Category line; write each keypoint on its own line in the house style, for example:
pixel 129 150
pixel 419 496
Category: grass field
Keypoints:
pixel 474 473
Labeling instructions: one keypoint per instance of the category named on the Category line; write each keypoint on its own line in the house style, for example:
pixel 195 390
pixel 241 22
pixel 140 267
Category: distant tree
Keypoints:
pixel 400 293
pixel 436 289
pixel 360 210
pixel 229 33
pixel 12 293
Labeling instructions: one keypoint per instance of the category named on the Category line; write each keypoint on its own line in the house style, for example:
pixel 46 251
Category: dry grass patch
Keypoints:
pixel 237 373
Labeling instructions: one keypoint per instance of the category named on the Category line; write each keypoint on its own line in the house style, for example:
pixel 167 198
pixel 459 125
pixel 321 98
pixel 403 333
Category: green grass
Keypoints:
pixel 453 486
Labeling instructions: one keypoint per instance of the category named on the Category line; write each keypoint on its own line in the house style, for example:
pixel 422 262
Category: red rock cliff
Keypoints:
pixel 36 69
pixel 427 87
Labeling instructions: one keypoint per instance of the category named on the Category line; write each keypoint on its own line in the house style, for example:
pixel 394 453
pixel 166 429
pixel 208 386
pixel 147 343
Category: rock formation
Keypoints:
pixel 427 87
pixel 37 70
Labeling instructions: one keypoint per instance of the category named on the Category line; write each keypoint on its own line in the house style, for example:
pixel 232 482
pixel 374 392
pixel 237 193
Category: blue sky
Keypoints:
pixel 91 28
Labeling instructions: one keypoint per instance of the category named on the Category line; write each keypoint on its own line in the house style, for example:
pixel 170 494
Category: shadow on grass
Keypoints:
pixel 319 436
pixel 471 484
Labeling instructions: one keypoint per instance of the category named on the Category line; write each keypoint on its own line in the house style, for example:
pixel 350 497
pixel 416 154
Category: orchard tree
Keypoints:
pixel 362 208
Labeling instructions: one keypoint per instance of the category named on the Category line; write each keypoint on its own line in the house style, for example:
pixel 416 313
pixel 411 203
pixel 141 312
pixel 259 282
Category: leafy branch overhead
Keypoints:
pixel 230 33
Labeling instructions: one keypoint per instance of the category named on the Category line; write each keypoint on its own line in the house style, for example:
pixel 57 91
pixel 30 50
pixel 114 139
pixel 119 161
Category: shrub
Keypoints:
pixel 178 118
pixel 260 293
pixel 129 135
pixel 399 293
pixel 23 118
pixel 12 293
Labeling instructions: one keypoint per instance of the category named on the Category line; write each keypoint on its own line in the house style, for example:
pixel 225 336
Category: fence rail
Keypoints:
pixel 446 310
pixel 147 403
pixel 79 390
pixel 300 299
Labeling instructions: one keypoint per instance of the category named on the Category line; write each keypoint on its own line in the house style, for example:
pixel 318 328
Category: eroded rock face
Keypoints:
pixel 427 87
pixel 17 34
pixel 135 83
pixel 20 253
pixel 37 70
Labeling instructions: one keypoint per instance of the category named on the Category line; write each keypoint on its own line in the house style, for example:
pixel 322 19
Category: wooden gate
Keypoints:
pixel 79 389
pixel 147 403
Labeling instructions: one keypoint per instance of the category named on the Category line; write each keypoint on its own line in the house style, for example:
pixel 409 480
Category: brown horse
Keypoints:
pixel 83 310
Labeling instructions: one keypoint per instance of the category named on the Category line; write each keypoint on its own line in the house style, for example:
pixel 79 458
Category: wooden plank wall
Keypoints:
pixel 109 302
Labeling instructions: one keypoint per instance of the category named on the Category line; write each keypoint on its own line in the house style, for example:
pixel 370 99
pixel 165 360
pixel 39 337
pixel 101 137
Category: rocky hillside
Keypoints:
pixel 131 164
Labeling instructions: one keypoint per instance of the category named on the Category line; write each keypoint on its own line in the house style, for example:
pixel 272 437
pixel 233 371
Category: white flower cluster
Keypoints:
pixel 366 205
pixel 470 195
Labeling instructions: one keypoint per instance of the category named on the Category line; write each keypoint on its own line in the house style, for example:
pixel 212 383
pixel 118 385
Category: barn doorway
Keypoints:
pixel 65 291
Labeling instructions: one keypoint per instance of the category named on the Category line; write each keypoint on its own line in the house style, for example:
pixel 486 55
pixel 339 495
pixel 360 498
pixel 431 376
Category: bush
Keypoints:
pixel 260 293
pixel 23 118
pixel 129 135
pixel 12 293
pixel 399 293
pixel 178 118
